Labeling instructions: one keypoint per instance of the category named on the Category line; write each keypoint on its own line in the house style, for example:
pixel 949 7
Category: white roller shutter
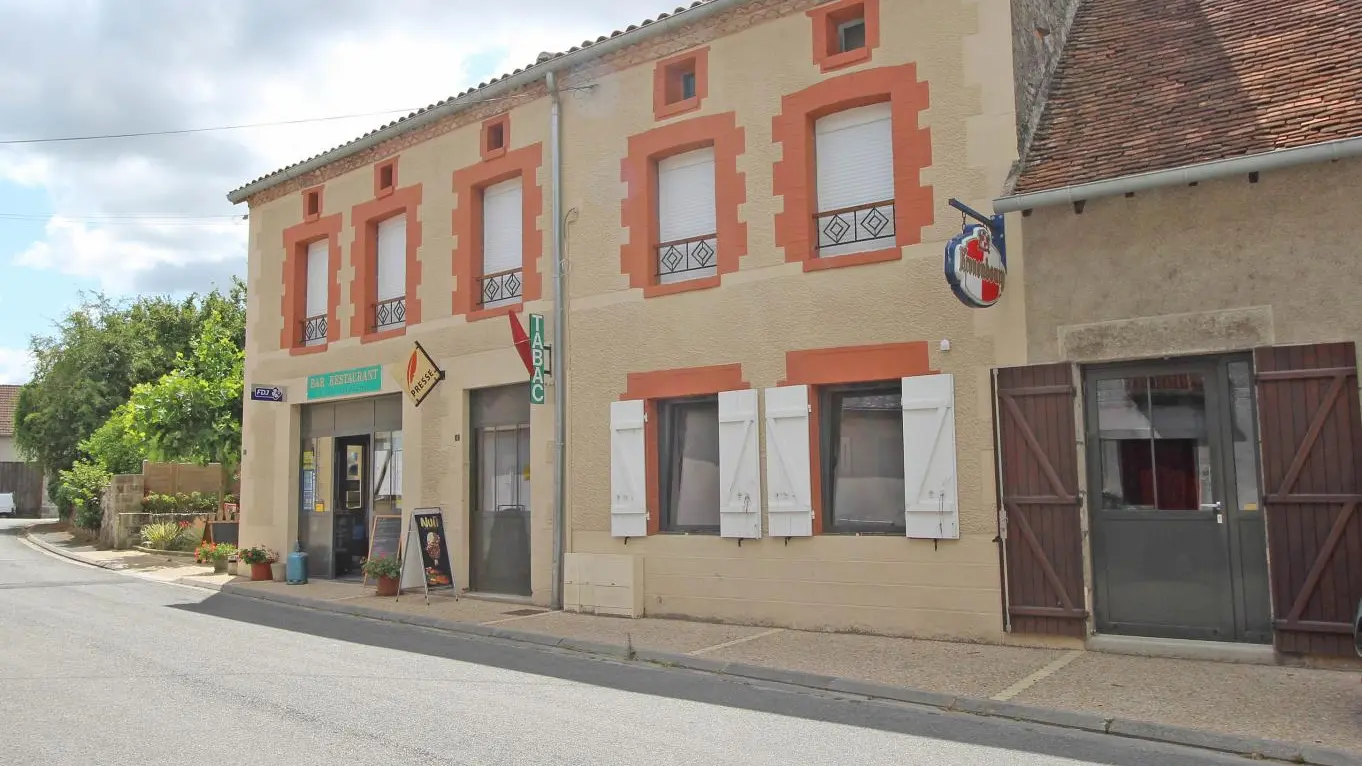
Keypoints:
pixel 686 210
pixel 318 267
pixel 929 479
pixel 855 160
pixel 739 466
pixel 628 477
pixel 392 258
pixel 789 487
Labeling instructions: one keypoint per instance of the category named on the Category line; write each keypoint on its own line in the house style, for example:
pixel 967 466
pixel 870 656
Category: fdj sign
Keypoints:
pixel 538 359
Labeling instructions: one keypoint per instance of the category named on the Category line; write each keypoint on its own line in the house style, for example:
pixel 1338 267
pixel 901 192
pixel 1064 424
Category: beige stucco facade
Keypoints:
pixel 758 56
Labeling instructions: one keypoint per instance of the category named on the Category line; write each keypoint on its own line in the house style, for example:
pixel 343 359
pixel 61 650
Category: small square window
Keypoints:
pixel 313 203
pixel 862 448
pixel 851 35
pixel 688 462
pixel 496 137
pixel 681 81
pixel 687 85
pixel 385 177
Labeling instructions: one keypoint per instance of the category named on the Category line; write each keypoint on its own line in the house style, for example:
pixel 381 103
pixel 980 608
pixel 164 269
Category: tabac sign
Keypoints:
pixel 976 261
pixel 422 375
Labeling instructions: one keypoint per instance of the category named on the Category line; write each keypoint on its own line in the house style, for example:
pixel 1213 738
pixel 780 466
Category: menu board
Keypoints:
pixel 429 525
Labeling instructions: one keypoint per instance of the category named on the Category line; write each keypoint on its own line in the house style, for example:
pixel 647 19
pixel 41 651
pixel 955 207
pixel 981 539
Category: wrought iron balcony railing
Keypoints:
pixel 501 288
pixel 390 314
pixel 851 229
pixel 689 258
pixel 314 330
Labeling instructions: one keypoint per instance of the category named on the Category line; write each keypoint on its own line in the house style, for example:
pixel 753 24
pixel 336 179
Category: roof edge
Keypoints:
pixel 506 84
pixel 1277 159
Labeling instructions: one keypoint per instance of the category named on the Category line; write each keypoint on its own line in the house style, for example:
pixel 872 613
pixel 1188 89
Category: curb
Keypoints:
pixel 1249 747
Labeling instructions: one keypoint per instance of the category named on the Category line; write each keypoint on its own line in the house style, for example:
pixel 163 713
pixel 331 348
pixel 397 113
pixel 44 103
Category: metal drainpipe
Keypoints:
pixel 559 353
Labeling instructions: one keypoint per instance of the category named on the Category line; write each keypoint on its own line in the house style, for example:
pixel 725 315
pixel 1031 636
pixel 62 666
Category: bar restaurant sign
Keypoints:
pixel 422 375
pixel 360 380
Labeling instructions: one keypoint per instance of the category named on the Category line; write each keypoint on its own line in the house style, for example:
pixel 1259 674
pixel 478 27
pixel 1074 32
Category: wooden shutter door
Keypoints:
pixel 739 465
pixel 1311 441
pixel 1040 520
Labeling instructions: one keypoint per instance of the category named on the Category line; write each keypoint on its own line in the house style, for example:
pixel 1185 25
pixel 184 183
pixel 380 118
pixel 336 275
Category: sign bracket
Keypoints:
pixel 995 223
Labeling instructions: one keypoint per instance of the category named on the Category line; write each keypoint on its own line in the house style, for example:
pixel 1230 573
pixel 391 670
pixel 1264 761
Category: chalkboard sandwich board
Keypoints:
pixel 222 532
pixel 385 538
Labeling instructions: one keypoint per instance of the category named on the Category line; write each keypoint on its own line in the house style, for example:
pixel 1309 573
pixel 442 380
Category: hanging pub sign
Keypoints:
pixel 976 260
pixel 422 375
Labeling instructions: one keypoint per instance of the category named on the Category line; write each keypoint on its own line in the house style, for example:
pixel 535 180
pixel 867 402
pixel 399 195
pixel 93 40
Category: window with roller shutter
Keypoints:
pixel 854 155
pixel 502 280
pixel 315 312
pixel 391 278
pixel 687 218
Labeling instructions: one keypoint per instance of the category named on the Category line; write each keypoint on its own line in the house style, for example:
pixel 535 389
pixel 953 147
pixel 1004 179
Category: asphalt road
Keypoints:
pixel 102 668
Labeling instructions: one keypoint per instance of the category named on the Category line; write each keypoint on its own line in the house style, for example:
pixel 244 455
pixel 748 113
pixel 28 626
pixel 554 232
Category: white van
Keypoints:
pixel 7 504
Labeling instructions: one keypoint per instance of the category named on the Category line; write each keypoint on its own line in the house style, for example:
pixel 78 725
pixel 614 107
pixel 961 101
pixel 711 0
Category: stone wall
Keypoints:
pixel 1039 31
pixel 123 496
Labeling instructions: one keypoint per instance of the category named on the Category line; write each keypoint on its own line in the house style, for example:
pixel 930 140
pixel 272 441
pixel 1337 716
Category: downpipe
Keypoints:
pixel 559 351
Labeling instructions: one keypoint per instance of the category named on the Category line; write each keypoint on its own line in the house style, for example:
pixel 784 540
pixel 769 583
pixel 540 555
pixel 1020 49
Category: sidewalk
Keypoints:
pixel 1286 713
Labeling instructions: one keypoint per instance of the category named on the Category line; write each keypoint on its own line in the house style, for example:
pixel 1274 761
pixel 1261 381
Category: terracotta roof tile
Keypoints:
pixel 9 400
pixel 1157 84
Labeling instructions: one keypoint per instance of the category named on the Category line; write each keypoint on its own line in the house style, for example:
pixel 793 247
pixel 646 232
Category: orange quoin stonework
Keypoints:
pixel 795 175
pixel 671 384
pixel 847 364
pixel 366 217
pixel 638 211
pixel 294 304
pixel 468 185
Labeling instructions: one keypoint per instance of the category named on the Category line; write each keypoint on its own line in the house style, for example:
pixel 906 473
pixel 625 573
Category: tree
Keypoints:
pixel 114 446
pixel 193 413
pixel 99 352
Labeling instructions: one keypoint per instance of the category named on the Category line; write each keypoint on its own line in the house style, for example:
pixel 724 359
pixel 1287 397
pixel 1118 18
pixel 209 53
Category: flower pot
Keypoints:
pixel 387 586
pixel 260 572
pixel 219 567
pixel 277 570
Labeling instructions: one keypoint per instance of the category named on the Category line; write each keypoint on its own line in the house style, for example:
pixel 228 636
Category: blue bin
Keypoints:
pixel 296 569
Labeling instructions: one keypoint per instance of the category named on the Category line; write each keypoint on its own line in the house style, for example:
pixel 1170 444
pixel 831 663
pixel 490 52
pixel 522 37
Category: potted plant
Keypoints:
pixel 387 570
pixel 259 558
pixel 216 554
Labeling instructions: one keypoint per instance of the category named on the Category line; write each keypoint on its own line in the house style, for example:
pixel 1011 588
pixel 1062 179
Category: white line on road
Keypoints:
pixel 737 641
pixel 1036 677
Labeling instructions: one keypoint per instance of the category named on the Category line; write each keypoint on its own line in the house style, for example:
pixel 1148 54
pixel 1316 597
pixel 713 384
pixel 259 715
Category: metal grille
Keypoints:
pixel 501 287
pixel 314 330
pixel 856 225
pixel 390 313
pixel 686 258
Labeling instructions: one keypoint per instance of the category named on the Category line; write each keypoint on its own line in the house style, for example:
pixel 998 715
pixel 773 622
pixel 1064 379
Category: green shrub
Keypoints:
pixel 81 489
pixel 169 535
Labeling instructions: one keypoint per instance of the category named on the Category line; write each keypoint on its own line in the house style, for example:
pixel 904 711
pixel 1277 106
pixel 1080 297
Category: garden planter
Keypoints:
pixel 260 572
pixel 277 570
pixel 387 586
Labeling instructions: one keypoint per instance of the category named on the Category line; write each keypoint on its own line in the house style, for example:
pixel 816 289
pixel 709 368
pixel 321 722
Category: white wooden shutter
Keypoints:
pixel 502 227
pixel 318 266
pixel 789 487
pixel 628 480
pixel 392 258
pixel 739 465
pixel 855 160
pixel 686 209
pixel 929 478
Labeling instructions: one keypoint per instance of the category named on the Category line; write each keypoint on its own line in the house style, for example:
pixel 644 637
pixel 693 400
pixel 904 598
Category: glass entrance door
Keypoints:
pixel 1177 549
pixel 500 543
pixel 351 519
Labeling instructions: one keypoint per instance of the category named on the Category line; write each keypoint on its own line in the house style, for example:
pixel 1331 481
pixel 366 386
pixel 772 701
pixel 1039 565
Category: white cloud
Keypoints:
pixel 81 67
pixel 16 365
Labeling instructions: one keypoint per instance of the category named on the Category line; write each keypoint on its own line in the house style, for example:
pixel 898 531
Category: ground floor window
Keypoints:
pixel 387 490
pixel 689 464
pixel 862 456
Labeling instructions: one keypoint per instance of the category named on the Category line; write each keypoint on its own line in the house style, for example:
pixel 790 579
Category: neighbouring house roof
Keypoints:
pixel 1148 85
pixel 588 50
pixel 9 401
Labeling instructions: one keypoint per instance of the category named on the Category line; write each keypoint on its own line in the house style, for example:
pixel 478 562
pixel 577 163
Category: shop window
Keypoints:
pixel 863 465
pixel 687 217
pixel 390 305
pixel 689 464
pixel 387 489
pixel 680 83
pixel 503 278
pixel 314 323
pixel 854 155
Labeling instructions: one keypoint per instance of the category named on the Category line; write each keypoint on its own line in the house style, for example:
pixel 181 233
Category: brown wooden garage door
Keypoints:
pixel 1311 442
pixel 1040 519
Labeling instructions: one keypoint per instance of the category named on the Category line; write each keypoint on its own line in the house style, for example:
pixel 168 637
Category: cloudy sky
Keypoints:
pixel 149 214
